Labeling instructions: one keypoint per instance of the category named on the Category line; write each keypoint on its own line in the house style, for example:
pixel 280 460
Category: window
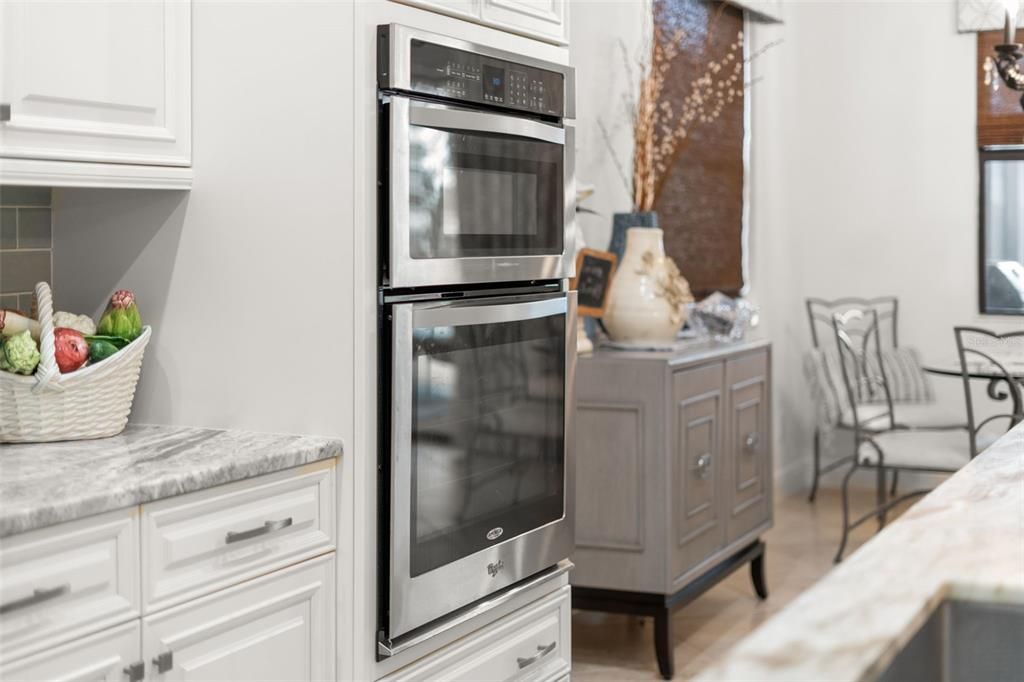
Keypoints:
pixel 1001 252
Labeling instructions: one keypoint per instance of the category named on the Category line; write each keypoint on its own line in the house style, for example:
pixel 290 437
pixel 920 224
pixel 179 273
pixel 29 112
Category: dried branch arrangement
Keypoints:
pixel 662 127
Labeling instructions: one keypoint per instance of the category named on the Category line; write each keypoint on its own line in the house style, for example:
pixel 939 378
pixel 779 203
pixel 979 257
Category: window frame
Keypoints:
pixel 991 153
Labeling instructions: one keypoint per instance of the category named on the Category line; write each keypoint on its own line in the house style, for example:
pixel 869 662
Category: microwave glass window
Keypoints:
pixel 483 194
pixel 487 435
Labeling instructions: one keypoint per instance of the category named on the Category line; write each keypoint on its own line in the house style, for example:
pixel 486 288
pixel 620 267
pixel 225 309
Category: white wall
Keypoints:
pixel 246 279
pixel 603 34
pixel 864 183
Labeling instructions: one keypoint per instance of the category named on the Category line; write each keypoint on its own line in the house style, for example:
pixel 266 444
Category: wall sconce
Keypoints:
pixel 1009 57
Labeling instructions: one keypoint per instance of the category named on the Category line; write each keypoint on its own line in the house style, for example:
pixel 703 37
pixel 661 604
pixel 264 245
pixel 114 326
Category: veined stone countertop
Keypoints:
pixel 42 484
pixel 964 540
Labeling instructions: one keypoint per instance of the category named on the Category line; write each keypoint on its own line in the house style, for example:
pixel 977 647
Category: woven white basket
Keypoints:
pixel 92 402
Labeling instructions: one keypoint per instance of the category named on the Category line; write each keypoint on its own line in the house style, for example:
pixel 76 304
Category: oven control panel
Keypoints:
pixel 457 74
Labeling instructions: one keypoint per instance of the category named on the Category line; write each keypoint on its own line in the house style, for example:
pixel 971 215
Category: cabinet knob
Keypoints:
pixel 5 113
pixel 164 662
pixel 751 441
pixel 703 467
pixel 136 671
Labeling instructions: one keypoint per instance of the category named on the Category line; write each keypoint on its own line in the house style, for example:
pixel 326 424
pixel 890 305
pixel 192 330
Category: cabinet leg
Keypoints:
pixel 663 642
pixel 757 575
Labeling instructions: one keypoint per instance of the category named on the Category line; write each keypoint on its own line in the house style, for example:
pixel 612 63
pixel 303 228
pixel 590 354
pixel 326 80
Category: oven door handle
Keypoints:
pixel 456 314
pixel 448 118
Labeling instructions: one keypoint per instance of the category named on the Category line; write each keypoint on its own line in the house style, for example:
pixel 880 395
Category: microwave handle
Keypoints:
pixel 460 119
pixel 460 313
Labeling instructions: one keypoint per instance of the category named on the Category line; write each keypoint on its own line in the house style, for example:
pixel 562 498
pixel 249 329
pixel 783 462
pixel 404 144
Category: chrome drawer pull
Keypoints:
pixel 542 651
pixel 268 527
pixel 37 597
pixel 750 444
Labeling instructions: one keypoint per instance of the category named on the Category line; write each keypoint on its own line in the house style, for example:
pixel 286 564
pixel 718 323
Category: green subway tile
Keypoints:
pixel 24 196
pixel 34 228
pixel 9 302
pixel 20 270
pixel 8 228
pixel 26 304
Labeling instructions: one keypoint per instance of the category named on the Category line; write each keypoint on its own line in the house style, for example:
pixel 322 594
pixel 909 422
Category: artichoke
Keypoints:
pixel 121 317
pixel 19 354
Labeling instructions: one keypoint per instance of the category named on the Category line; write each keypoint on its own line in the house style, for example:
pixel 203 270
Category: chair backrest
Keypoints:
pixel 820 312
pixel 859 346
pixel 990 353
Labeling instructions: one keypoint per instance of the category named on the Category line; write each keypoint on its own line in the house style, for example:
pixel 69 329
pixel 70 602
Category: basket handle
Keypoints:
pixel 47 374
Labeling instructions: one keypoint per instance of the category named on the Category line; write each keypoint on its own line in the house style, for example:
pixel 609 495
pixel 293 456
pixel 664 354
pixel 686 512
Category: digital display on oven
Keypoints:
pixel 494 83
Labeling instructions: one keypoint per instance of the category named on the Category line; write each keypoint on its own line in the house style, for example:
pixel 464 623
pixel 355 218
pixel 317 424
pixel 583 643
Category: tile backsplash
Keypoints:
pixel 26 244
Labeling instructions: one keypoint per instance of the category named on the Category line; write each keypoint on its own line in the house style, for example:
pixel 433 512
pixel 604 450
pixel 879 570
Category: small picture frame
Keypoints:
pixel 593 281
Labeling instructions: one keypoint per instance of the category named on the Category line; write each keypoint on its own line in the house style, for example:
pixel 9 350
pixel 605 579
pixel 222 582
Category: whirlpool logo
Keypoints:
pixel 495 568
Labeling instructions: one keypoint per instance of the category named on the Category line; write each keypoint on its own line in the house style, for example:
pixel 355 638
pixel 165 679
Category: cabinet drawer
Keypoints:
pixel 531 644
pixel 66 581
pixel 103 656
pixel 198 543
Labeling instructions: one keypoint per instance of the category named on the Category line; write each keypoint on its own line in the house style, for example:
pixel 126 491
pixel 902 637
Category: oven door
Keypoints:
pixel 476 197
pixel 480 451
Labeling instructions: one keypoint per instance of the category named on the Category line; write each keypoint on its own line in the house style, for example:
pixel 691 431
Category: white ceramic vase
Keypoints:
pixel 647 302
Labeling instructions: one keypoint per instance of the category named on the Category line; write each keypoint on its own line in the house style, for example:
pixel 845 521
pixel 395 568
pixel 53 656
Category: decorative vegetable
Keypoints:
pixel 19 353
pixel 118 342
pixel 81 323
pixel 12 323
pixel 70 349
pixel 121 317
pixel 101 349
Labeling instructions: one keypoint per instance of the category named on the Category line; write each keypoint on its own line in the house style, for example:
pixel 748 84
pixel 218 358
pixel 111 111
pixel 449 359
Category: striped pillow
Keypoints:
pixel 908 382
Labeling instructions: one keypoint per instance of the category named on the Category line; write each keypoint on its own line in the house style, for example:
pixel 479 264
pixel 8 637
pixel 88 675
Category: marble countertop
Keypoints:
pixel 46 483
pixel 965 539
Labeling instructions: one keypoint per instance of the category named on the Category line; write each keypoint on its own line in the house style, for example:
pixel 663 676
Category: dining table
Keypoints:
pixel 1012 370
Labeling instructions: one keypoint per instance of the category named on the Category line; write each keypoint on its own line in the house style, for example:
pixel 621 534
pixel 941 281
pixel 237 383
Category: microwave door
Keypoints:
pixel 476 197
pixel 479 449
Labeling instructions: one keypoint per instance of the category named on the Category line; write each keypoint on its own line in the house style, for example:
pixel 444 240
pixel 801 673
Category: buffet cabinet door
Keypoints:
pixel 748 478
pixel 697 467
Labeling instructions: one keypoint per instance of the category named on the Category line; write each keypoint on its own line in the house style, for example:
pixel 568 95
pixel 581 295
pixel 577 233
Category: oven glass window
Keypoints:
pixel 483 194
pixel 487 435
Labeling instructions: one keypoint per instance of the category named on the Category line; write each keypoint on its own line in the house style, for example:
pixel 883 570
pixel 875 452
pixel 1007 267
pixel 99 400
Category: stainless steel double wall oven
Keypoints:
pixel 477 328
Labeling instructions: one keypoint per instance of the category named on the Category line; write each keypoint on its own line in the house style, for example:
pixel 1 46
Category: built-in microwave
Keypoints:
pixel 478 181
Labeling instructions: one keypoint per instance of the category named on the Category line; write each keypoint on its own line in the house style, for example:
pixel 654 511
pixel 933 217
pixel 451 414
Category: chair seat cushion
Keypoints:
pixel 945 450
pixel 874 416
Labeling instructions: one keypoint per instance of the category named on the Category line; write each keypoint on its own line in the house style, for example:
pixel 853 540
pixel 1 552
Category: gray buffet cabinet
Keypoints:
pixel 673 477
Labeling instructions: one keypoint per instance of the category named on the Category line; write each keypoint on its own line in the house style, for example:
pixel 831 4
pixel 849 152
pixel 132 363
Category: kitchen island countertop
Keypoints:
pixel 963 540
pixel 42 484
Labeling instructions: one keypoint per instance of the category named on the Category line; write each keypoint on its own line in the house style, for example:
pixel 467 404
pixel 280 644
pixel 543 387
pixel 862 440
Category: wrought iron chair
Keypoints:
pixel 1002 383
pixel 910 402
pixel 893 449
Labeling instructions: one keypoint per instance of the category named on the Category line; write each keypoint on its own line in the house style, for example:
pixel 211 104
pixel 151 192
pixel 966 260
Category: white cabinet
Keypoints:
pixel 225 596
pixel 541 18
pixel 279 627
pixel 544 19
pixel 105 656
pixel 95 89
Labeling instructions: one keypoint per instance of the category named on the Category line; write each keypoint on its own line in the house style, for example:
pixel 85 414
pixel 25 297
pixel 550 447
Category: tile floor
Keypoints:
pixel 800 550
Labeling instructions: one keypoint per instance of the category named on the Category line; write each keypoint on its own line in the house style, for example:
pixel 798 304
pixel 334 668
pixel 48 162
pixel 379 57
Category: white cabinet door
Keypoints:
pixel 278 627
pixel 541 18
pixel 103 656
pixel 98 81
pixel 465 9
